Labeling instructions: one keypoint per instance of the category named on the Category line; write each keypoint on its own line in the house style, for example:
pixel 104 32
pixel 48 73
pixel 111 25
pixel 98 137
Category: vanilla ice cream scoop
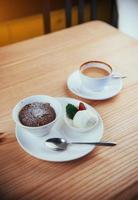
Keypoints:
pixel 85 119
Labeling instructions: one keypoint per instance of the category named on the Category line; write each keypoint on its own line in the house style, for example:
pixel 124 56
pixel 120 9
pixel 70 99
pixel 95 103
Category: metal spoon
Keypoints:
pixel 61 144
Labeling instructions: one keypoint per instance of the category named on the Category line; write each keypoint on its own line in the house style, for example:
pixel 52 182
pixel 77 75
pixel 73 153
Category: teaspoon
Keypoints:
pixel 61 144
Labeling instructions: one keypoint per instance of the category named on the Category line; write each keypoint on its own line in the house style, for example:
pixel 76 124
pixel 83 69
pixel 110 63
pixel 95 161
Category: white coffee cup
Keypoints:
pixel 95 83
pixel 41 130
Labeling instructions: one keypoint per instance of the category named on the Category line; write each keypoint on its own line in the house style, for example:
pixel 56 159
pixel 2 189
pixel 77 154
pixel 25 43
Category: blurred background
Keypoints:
pixel 24 19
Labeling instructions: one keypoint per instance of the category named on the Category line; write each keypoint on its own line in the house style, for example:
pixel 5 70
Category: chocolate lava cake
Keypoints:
pixel 37 114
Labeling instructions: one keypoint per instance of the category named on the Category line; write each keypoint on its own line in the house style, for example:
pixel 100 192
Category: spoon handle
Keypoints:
pixel 96 143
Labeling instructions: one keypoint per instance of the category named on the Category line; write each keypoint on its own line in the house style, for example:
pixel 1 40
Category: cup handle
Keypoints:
pixel 116 75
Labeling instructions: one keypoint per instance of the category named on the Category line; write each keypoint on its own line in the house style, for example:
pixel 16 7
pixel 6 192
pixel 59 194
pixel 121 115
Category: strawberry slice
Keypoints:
pixel 82 106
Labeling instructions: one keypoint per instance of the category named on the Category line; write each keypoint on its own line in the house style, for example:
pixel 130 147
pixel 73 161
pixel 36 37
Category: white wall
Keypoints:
pixel 128 17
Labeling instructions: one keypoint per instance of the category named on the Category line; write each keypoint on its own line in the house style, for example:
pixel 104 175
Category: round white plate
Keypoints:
pixel 75 86
pixel 35 146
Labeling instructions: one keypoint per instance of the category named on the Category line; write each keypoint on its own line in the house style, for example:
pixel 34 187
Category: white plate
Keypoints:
pixel 35 146
pixel 75 86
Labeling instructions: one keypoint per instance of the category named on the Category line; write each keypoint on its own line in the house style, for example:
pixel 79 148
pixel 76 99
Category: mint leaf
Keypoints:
pixel 71 110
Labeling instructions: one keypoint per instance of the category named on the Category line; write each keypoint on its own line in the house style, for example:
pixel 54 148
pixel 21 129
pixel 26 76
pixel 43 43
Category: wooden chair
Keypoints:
pixel 81 4
pixel 68 12
pixel 114 14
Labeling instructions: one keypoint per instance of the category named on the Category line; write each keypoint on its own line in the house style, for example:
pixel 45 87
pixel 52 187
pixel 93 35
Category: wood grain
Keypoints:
pixel 41 66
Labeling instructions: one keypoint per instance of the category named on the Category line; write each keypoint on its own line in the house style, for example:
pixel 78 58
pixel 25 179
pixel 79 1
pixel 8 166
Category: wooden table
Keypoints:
pixel 41 66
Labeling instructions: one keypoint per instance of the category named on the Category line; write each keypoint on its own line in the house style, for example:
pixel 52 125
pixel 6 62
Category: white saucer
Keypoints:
pixel 75 86
pixel 35 146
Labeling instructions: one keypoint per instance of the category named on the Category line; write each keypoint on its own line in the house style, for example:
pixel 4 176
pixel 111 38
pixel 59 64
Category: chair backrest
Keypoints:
pixel 68 12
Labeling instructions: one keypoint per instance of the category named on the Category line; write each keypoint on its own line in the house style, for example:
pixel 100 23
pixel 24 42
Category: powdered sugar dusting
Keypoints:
pixel 38 109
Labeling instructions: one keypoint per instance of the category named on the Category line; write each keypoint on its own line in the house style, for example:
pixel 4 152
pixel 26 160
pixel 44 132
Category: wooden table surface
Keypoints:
pixel 41 66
